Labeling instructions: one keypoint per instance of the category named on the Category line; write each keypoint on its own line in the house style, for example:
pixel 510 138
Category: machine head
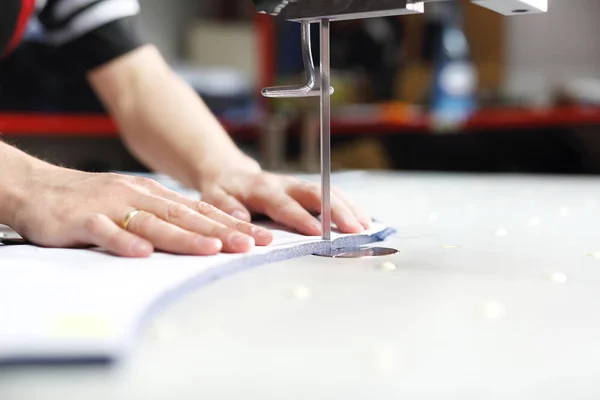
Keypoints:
pixel 336 10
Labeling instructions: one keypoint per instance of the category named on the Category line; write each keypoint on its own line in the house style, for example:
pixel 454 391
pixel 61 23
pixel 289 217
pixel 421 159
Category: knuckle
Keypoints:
pixel 111 176
pixel 258 179
pixel 93 224
pixel 279 204
pixel 301 188
pixel 142 223
pixel 176 212
pixel 206 209
pixel 213 230
pixel 242 226
pixel 122 184
pixel 145 182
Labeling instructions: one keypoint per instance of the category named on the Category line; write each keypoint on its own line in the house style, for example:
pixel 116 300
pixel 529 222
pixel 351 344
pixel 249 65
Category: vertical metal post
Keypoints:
pixel 325 130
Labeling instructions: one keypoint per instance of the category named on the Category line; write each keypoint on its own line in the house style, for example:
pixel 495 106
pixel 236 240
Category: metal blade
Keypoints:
pixel 325 131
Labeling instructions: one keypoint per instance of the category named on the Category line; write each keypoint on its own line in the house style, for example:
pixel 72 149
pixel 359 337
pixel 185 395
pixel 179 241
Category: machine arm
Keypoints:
pixel 335 10
pixel 326 11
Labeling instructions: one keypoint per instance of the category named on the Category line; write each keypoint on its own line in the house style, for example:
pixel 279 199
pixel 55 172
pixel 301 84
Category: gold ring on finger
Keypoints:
pixel 130 215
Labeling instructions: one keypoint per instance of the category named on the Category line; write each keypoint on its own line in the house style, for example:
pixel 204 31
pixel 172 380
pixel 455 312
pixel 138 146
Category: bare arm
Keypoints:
pixel 152 106
pixel 168 127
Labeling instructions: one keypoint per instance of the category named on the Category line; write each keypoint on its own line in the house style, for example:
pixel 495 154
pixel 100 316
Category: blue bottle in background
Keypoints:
pixel 454 91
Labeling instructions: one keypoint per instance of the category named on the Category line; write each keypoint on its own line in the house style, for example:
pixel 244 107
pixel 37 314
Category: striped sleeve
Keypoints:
pixel 94 31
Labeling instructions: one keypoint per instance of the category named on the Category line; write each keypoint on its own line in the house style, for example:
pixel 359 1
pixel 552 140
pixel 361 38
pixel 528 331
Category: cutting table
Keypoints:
pixel 493 295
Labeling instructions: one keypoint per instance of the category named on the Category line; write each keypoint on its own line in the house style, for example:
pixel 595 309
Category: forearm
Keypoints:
pixel 15 168
pixel 163 121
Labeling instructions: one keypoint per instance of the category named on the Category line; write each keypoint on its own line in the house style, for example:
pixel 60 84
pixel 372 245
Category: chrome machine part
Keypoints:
pixel 339 10
pixel 336 10
pixel 325 131
pixel 310 88
pixel 358 252
pixel 326 11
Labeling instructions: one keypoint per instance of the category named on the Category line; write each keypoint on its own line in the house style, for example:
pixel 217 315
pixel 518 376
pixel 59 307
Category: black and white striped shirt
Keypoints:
pixel 95 31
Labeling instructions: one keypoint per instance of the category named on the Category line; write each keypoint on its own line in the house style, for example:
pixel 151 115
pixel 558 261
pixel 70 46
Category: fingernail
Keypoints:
pixel 211 244
pixel 262 233
pixel 317 225
pixel 358 228
pixel 354 223
pixel 141 247
pixel 239 240
pixel 240 215
pixel 365 221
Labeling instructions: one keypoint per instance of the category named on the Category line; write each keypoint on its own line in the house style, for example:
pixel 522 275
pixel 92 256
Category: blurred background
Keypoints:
pixel 459 88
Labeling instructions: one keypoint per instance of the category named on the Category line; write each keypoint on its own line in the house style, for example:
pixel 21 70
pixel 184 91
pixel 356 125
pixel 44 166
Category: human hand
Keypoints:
pixel 58 207
pixel 285 199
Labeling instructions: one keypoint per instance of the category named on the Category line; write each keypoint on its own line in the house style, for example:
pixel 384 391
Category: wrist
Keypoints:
pixel 9 200
pixel 211 171
pixel 14 184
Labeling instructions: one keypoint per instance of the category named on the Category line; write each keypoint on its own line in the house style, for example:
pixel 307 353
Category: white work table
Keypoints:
pixel 495 295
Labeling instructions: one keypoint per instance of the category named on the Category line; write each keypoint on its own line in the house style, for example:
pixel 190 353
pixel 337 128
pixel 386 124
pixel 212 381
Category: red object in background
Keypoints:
pixel 520 118
pixel 86 125
pixel 490 119
pixel 56 125
pixel 26 124
pixel 27 8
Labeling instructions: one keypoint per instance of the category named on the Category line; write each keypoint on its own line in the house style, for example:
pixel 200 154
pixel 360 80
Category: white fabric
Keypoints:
pixel 73 304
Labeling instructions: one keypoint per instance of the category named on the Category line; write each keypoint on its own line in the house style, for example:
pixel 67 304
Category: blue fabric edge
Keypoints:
pixel 205 278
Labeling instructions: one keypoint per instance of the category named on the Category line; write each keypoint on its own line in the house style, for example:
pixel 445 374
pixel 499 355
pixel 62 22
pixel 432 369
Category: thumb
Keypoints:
pixel 226 203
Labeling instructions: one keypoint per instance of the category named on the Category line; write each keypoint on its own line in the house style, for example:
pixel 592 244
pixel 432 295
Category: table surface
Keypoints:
pixel 494 294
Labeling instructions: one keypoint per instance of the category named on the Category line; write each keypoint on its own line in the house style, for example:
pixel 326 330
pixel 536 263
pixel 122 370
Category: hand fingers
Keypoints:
pixel 285 210
pixel 309 196
pixel 363 218
pixel 262 237
pixel 218 198
pixel 184 217
pixel 171 238
pixel 102 232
